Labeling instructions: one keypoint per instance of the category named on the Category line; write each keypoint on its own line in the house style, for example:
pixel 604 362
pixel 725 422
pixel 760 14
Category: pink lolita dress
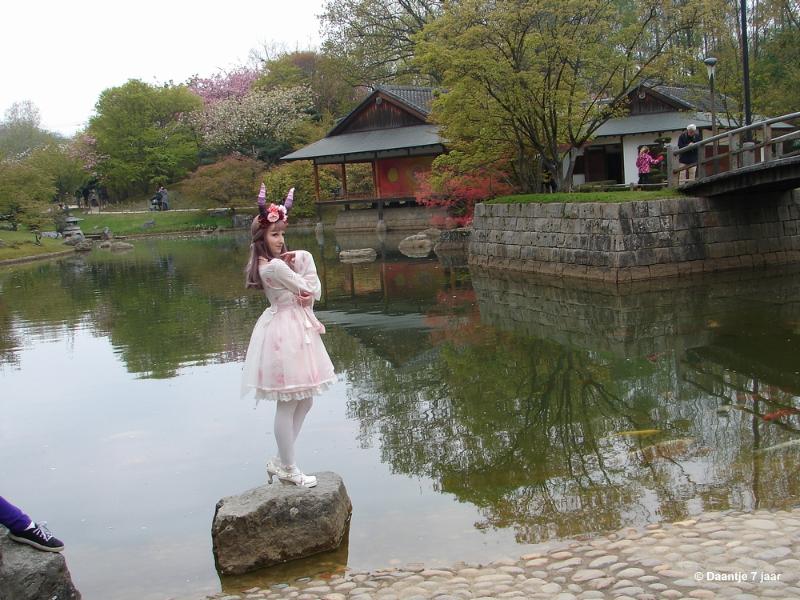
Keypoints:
pixel 286 359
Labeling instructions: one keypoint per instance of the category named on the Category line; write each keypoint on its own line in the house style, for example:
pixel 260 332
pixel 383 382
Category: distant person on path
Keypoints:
pixel 690 136
pixel 164 198
pixel 21 528
pixel 286 359
pixel 644 162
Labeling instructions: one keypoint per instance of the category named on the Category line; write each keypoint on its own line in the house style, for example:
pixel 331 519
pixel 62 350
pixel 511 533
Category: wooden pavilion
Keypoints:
pixel 389 129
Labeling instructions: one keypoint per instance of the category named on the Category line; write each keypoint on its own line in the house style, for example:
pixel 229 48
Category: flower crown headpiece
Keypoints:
pixel 274 212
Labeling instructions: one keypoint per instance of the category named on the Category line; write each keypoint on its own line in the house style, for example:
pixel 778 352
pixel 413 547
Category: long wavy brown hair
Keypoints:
pixel 259 249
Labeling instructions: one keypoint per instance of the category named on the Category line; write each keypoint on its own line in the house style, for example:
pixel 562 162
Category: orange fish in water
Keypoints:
pixel 655 356
pixel 784 412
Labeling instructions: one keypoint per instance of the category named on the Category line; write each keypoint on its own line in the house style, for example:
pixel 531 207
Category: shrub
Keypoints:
pixel 233 178
pixel 459 193
pixel 299 175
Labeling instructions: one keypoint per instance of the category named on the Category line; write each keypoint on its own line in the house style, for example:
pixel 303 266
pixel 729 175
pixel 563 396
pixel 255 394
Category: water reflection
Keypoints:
pixel 545 408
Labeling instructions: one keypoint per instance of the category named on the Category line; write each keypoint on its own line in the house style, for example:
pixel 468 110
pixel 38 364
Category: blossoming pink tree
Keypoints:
pixel 237 118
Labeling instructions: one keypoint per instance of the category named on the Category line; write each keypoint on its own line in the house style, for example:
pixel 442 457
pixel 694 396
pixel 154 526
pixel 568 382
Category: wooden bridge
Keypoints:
pixel 731 163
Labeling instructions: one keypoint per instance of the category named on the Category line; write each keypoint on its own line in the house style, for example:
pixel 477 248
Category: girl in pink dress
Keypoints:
pixel 286 359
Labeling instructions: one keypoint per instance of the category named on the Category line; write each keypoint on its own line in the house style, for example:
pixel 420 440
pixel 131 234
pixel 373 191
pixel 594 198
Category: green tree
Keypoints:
pixel 538 78
pixel 323 74
pixel 25 193
pixel 63 168
pixel 376 38
pixel 141 138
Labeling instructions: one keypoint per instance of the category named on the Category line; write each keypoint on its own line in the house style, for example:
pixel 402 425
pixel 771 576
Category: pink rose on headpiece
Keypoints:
pixel 276 212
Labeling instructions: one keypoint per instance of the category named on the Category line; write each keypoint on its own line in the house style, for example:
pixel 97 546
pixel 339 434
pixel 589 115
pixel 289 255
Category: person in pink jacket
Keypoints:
pixel 644 162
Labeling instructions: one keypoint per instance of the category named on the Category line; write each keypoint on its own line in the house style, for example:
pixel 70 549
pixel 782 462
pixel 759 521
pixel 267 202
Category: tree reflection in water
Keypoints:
pixel 547 437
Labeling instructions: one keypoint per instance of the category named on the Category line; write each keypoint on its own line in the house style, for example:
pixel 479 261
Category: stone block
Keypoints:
pixel 610 211
pixel 647 225
pixel 600 243
pixel 625 259
pixel 590 210
pixel 272 524
pixel 571 210
pixel 789 227
pixel 632 242
pixel 30 574
pixel 686 221
pixel 645 256
pixel 640 209
pixel 554 210
pixel 668 206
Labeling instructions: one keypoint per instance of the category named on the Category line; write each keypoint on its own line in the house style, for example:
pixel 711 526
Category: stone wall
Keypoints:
pixel 413 218
pixel 632 241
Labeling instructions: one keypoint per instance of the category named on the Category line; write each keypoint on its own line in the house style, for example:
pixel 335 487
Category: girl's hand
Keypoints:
pixel 305 299
pixel 288 258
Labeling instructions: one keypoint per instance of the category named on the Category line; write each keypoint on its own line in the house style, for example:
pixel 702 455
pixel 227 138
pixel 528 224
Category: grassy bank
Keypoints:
pixel 626 196
pixel 152 222
pixel 15 245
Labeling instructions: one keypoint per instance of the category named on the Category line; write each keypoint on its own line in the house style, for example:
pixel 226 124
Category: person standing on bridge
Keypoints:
pixel 689 158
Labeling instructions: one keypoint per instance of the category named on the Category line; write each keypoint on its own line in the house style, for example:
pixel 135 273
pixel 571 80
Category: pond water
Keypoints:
pixel 475 414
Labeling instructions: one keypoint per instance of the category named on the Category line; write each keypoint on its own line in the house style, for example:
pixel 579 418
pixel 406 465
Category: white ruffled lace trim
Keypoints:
pixel 285 395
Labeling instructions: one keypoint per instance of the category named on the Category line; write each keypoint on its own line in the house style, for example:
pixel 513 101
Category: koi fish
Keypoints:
pixel 784 412
pixel 639 432
pixel 788 444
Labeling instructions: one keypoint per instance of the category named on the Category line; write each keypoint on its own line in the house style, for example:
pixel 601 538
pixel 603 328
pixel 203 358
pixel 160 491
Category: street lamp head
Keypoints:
pixel 711 64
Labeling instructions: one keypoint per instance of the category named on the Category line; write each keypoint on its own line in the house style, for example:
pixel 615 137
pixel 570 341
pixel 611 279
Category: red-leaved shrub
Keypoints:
pixel 459 193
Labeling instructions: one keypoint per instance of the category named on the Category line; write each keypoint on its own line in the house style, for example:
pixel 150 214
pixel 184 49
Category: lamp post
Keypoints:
pixel 748 116
pixel 711 66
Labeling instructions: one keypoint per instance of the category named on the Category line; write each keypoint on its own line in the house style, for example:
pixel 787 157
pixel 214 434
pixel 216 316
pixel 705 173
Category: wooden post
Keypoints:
pixel 701 162
pixel 316 181
pixel 375 177
pixel 344 181
pixel 672 176
pixel 767 143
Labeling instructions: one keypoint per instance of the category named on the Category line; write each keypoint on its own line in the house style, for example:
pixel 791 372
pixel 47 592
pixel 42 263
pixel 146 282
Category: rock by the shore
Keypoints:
pixel 84 246
pixel 30 574
pixel 120 246
pixel 358 256
pixel 276 523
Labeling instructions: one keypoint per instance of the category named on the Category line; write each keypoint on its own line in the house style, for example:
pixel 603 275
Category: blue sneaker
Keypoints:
pixel 39 537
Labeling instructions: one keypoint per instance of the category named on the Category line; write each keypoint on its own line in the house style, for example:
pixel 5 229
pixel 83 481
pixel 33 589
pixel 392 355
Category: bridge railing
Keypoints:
pixel 733 149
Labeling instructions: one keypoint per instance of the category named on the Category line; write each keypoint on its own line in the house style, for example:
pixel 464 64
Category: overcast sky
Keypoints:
pixel 61 55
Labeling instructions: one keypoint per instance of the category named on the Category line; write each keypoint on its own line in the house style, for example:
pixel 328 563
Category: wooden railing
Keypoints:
pixel 733 149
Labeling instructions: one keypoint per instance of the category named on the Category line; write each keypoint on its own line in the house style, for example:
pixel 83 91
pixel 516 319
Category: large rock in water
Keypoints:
pixel 30 574
pixel 276 523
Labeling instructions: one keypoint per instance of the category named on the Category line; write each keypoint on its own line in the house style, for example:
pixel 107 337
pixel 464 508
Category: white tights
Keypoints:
pixel 289 417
